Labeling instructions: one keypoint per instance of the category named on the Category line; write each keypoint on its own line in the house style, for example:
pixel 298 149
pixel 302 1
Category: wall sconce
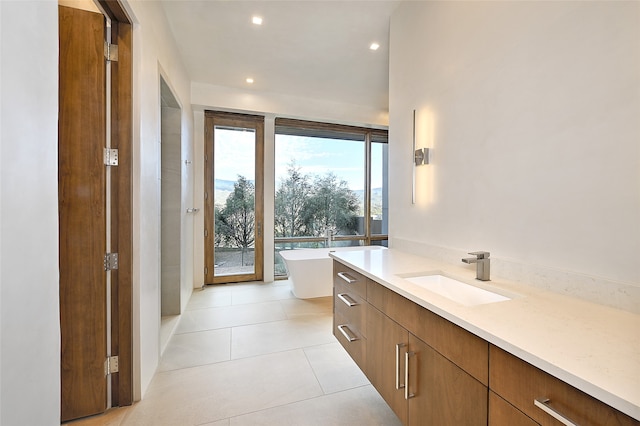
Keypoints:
pixel 420 157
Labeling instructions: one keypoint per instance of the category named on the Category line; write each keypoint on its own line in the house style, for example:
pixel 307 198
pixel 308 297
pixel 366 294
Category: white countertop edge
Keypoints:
pixel 589 388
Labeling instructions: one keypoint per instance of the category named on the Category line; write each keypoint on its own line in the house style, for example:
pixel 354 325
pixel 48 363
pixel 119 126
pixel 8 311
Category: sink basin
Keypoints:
pixel 457 291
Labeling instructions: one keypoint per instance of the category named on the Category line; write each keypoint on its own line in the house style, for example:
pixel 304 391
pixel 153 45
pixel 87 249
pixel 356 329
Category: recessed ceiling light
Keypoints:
pixel 374 46
pixel 249 80
pixel 256 20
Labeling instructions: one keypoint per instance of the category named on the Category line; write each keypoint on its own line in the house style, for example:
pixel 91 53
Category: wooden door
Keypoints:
pixel 82 219
pixel 387 340
pixel 442 392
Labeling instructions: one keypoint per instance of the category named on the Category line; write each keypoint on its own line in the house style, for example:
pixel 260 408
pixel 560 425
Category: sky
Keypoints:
pixel 317 157
pixel 234 153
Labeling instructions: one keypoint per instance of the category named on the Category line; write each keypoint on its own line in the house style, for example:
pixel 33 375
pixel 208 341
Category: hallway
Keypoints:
pixel 252 354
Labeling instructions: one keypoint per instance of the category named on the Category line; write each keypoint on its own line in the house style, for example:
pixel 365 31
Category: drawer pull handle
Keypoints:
pixel 407 394
pixel 343 329
pixel 347 278
pixel 398 384
pixel 543 404
pixel 347 300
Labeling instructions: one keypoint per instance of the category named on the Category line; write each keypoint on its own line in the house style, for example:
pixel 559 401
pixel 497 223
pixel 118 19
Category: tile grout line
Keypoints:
pixel 313 371
pixel 238 325
pixel 290 312
pixel 284 311
pixel 285 405
pixel 231 358
pixel 231 344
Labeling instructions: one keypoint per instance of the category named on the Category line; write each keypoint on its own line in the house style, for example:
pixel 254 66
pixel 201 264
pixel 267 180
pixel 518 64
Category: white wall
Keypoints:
pixel 531 110
pixel 206 96
pixel 29 316
pixel 154 54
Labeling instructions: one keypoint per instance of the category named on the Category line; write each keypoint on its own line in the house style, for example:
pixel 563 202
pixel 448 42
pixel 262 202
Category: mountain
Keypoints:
pixel 222 190
pixel 224 185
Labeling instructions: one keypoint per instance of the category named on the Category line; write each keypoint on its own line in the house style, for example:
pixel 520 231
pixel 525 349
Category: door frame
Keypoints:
pixel 122 200
pixel 235 119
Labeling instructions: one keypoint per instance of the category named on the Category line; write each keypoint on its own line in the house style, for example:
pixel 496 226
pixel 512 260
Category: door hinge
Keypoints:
pixel 206 233
pixel 206 271
pixel 110 157
pixel 206 196
pixel 111 51
pixel 110 261
pixel 111 365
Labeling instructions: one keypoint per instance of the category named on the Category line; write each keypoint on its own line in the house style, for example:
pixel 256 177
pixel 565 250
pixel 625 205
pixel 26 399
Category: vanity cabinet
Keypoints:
pixel 420 383
pixel 503 413
pixel 520 384
pixel 466 350
pixel 351 280
pixel 432 372
pixel 415 359
pixel 350 312
pixel 386 347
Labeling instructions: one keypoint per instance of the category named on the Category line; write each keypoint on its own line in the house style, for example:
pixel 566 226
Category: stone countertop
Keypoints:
pixel 592 347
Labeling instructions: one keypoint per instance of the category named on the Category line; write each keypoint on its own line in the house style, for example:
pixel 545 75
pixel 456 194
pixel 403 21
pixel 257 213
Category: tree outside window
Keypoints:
pixel 235 222
pixel 304 209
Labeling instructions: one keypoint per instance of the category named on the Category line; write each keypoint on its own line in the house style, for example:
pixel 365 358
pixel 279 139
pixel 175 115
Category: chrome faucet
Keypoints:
pixel 482 264
pixel 328 234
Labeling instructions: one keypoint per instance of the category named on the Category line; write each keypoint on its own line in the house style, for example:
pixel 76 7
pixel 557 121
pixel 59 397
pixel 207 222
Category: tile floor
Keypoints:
pixel 252 354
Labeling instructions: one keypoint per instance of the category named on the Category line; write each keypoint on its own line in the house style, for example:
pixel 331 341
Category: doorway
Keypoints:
pixel 234 199
pixel 170 195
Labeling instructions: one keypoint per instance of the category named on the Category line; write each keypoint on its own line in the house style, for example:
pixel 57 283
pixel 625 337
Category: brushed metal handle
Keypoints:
pixel 543 404
pixel 347 278
pixel 342 329
pixel 407 394
pixel 347 300
pixel 398 384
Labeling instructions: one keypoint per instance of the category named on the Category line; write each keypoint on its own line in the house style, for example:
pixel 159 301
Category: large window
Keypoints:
pixel 329 178
pixel 379 212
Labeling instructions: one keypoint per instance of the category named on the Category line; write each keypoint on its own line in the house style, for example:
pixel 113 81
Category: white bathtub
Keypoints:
pixel 311 270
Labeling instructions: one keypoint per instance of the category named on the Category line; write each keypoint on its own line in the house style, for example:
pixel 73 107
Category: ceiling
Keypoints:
pixel 306 48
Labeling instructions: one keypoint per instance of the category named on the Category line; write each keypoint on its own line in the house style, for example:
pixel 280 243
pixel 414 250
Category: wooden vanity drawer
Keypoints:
pixel 352 307
pixel 502 413
pixel 461 347
pixel 520 383
pixel 352 280
pixel 352 340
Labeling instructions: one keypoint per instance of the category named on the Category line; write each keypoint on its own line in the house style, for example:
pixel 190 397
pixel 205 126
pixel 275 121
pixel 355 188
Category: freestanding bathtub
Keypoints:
pixel 311 270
